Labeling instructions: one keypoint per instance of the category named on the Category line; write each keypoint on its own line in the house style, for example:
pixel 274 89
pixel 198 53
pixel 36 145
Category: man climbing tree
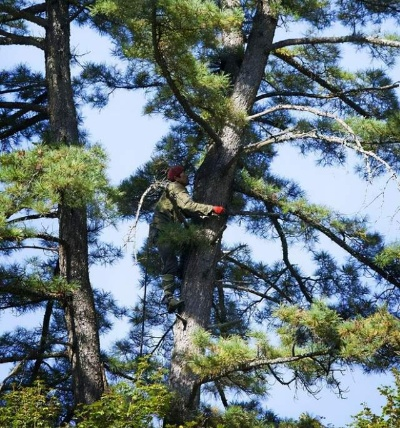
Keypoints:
pixel 173 207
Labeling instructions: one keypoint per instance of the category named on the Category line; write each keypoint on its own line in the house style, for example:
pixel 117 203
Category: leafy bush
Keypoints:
pixel 129 405
pixel 29 407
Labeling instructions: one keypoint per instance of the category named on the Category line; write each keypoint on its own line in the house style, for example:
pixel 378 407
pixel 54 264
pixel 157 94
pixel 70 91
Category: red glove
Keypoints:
pixel 218 210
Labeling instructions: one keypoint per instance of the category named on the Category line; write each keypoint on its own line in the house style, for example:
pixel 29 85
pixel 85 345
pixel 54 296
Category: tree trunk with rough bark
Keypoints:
pixel 84 345
pixel 213 185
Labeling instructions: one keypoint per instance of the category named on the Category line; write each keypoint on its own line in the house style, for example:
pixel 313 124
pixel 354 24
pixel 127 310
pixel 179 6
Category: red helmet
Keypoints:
pixel 175 171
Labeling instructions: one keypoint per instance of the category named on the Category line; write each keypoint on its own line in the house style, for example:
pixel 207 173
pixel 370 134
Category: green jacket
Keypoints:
pixel 175 205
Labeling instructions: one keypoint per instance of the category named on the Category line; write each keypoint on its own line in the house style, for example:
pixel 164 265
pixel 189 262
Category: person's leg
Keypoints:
pixel 169 272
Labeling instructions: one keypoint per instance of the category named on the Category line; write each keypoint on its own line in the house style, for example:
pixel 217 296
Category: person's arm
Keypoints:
pixel 190 208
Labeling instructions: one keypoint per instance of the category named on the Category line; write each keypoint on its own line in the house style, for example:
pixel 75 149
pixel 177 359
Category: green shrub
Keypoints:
pixel 29 407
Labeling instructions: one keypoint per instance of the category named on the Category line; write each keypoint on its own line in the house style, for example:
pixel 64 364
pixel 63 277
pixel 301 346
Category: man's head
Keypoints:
pixel 177 173
pixel 174 171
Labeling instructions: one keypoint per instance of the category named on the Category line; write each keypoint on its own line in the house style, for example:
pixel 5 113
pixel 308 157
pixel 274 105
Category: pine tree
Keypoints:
pixel 50 183
pixel 236 83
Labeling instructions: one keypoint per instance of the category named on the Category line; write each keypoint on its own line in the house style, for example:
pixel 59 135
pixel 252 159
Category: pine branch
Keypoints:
pixel 279 379
pixel 237 287
pixel 23 125
pixel 31 302
pixel 285 255
pixel 44 236
pixel 29 14
pixel 22 88
pixel 342 243
pixel 26 107
pixel 243 213
pixel 315 77
pixel 117 372
pixel 178 94
pixel 258 363
pixel 258 275
pixel 328 96
pixel 318 225
pixel 33 355
pixel 354 142
pixel 8 39
pixel 354 38
pixel 36 295
pixel 222 395
pixel 28 247
pixel 32 217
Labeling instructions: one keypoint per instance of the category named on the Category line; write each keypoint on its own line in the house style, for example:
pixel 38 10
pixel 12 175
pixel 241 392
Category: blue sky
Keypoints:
pixel 129 138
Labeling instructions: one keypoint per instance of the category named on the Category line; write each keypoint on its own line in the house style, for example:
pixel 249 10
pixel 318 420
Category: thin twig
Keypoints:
pixel 131 235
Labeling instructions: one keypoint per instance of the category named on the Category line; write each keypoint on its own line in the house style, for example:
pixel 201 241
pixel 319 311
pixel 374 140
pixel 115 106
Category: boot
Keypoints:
pixel 168 285
pixel 174 305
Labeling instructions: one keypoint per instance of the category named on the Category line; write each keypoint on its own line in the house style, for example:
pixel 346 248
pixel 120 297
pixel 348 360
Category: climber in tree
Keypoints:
pixel 174 206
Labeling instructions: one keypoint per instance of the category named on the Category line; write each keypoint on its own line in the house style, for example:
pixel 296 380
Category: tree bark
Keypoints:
pixel 84 350
pixel 213 185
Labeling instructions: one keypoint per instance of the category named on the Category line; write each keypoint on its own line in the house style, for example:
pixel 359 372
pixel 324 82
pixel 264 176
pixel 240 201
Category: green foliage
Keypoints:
pixel 129 405
pixel 228 359
pixel 389 256
pixel 236 417
pixel 360 340
pixel 320 322
pixel 196 20
pixel 232 417
pixel 374 130
pixel 259 185
pixel 29 407
pixel 183 237
pixel 390 417
pixel 297 8
pixel 171 46
pixel 40 178
pixel 363 338
pixel 213 357
pixel 306 421
pixel 182 32
pixel 37 277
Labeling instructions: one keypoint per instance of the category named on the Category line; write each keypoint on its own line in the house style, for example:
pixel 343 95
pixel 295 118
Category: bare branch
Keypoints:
pixel 13 372
pixel 353 38
pixel 237 287
pixel 354 143
pixel 29 14
pixel 33 217
pixel 32 356
pixel 8 39
pixel 258 275
pixel 131 235
pixel 329 96
pixel 25 106
pixel 43 339
pixel 288 58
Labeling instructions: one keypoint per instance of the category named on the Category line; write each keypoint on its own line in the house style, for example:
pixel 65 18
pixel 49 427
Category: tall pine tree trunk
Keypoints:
pixel 84 346
pixel 214 186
